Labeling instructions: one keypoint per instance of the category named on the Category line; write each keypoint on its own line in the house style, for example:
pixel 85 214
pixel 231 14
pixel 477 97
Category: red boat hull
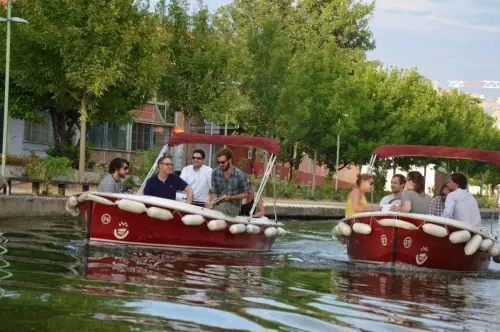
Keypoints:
pixel 394 245
pixel 110 224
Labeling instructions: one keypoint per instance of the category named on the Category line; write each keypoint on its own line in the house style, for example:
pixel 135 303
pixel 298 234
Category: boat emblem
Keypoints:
pixel 122 231
pixel 383 239
pixel 422 257
pixel 407 242
pixel 106 219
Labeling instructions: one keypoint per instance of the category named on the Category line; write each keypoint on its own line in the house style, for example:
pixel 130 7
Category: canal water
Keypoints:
pixel 51 281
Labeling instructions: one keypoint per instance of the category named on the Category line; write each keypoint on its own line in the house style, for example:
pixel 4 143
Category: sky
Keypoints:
pixel 444 39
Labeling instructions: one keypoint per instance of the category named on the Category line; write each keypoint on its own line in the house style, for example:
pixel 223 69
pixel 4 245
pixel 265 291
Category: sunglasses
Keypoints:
pixel 221 162
pixel 197 158
pixel 168 164
pixel 125 168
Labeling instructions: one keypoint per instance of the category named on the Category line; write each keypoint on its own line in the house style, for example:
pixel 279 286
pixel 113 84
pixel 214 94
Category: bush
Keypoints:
pixel 486 202
pixel 47 169
pixel 70 152
pixel 143 161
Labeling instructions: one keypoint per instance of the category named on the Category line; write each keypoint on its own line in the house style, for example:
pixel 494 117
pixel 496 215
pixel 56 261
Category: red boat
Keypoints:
pixel 424 241
pixel 157 222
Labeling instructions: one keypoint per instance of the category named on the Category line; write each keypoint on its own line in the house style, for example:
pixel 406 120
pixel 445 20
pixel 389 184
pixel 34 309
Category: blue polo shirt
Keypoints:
pixel 167 189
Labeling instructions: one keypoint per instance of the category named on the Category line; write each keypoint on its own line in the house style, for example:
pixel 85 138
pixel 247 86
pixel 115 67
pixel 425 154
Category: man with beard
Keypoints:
pixel 111 183
pixel 229 185
pixel 398 182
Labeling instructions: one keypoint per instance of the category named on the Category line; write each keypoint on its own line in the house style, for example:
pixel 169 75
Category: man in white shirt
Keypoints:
pixel 459 204
pixel 199 177
pixel 398 182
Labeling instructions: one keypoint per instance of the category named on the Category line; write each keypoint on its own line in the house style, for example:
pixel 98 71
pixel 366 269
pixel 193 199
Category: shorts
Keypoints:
pixel 228 208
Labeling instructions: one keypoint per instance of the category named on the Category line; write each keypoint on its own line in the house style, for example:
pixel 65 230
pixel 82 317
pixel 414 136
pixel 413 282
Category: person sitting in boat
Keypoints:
pixel 460 204
pixel 397 184
pixel 165 184
pixel 413 198
pixel 437 204
pixel 356 201
pixel 247 204
pixel 199 177
pixel 229 185
pixel 111 183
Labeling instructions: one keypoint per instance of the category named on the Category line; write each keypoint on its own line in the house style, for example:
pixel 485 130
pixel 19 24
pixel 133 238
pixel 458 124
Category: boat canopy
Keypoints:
pixel 267 144
pixel 388 151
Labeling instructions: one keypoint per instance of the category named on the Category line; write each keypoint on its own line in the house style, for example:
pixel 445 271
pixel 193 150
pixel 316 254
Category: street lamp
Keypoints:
pixel 338 155
pixel 7 71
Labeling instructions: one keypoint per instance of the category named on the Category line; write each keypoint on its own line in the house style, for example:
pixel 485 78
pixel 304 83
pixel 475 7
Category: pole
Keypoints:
pixel 211 146
pixel 314 173
pixel 225 127
pixel 337 163
pixel 83 137
pixel 6 100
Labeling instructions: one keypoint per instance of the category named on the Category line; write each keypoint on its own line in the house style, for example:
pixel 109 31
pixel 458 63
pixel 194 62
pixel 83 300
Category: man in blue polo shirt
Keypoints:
pixel 165 184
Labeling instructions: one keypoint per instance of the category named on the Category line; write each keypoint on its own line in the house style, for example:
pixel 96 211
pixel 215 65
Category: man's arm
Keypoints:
pixel 449 206
pixel 189 191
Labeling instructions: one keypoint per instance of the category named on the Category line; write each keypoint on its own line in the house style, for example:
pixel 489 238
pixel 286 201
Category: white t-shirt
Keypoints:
pixel 388 201
pixel 200 180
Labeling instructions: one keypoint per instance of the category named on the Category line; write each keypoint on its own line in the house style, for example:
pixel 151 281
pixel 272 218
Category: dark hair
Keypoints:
pixel 200 151
pixel 116 164
pixel 401 178
pixel 419 181
pixel 441 189
pixel 459 179
pixel 363 177
pixel 162 159
pixel 225 152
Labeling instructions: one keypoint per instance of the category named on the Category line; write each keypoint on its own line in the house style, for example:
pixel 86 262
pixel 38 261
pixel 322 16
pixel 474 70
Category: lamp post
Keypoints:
pixel 227 111
pixel 338 156
pixel 7 71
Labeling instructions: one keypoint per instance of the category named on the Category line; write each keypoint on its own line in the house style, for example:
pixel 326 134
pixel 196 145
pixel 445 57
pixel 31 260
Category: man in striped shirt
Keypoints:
pixel 111 183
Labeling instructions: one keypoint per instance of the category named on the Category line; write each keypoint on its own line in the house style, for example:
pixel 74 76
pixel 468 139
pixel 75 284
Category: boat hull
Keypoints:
pixel 397 245
pixel 113 225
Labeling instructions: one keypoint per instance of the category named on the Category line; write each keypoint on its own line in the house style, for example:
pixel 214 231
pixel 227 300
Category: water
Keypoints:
pixel 50 281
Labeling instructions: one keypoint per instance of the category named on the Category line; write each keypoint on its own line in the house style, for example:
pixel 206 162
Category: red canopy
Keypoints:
pixel 387 151
pixel 267 144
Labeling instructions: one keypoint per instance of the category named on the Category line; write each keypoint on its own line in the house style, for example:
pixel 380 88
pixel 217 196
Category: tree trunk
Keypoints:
pixel 83 135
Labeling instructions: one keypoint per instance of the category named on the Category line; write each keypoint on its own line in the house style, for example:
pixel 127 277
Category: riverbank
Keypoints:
pixel 32 206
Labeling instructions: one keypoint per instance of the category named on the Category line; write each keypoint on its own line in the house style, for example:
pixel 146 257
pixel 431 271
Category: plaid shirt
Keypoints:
pixel 437 206
pixel 236 184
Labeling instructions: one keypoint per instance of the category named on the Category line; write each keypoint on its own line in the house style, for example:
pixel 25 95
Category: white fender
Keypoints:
pixel 72 202
pixel 159 213
pixel 435 230
pixel 281 231
pixel 82 198
pixel 101 200
pixel 75 212
pixel 487 244
pixel 336 233
pixel 130 206
pixel 344 228
pixel 253 229
pixel 473 244
pixel 362 228
pixel 237 228
pixel 495 250
pixel 397 223
pixel 460 236
pixel 270 232
pixel 193 219
pixel 216 225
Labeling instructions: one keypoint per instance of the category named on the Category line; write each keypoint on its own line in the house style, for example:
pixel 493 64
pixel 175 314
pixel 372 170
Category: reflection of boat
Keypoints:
pixel 157 222
pixel 419 240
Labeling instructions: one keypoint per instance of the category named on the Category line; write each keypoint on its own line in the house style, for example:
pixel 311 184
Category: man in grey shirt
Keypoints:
pixel 118 169
pixel 459 204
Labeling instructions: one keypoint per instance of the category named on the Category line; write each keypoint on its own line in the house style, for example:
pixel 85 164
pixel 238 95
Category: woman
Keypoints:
pixel 437 204
pixel 247 204
pixel 356 201
pixel 413 198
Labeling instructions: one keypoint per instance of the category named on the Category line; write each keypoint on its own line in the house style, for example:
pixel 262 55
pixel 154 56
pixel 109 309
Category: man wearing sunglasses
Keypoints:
pixel 229 185
pixel 111 183
pixel 165 184
pixel 199 177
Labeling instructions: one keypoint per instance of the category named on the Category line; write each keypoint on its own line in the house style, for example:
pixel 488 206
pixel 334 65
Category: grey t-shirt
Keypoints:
pixel 109 185
pixel 420 203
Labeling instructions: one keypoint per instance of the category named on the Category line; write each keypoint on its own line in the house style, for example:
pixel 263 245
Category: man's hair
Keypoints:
pixel 401 178
pixel 419 181
pixel 459 179
pixel 200 151
pixel 162 159
pixel 116 164
pixel 225 152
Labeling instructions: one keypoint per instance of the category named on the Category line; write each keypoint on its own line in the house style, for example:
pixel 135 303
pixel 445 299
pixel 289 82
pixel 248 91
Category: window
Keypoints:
pixel 108 136
pixel 142 136
pixel 38 133
pixel 161 134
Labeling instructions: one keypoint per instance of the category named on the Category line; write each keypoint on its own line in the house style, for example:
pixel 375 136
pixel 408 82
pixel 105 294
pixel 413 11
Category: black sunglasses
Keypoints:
pixel 221 162
pixel 168 164
pixel 197 158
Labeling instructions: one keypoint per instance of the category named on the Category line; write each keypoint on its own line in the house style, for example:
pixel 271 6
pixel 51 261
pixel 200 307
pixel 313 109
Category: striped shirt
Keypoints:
pixel 110 185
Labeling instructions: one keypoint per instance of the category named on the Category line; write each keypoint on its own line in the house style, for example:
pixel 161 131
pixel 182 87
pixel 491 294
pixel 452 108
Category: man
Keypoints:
pixel 437 204
pixel 199 177
pixel 118 169
pixel 165 184
pixel 229 184
pixel 459 204
pixel 398 182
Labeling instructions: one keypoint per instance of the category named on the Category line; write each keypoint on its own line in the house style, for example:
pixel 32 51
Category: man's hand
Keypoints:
pixel 209 205
pixel 227 197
